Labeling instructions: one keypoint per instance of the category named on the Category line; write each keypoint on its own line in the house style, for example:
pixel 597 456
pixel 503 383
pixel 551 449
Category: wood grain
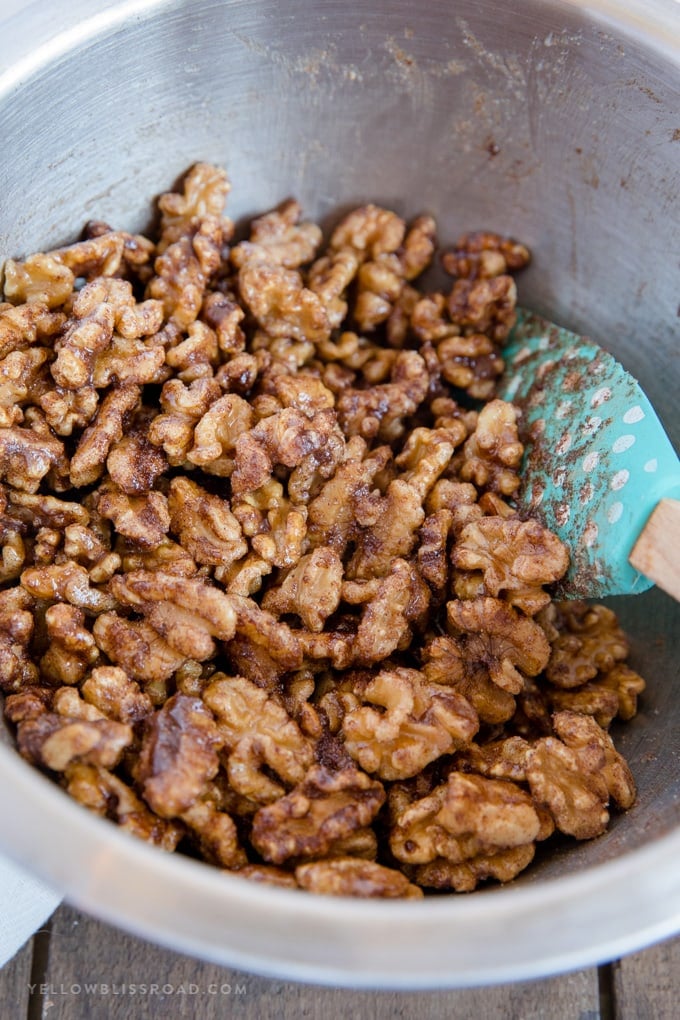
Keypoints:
pixel 15 978
pixel 572 997
pixel 92 968
pixel 647 985
pixel 656 554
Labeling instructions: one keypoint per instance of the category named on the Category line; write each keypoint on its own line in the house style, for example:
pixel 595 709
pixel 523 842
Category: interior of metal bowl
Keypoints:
pixel 556 122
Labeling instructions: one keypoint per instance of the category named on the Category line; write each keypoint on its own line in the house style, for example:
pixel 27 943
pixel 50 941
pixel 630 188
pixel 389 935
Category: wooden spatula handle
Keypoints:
pixel 656 554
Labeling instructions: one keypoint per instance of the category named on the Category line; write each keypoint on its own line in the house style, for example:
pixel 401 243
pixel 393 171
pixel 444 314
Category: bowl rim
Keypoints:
pixel 558 924
pixel 29 44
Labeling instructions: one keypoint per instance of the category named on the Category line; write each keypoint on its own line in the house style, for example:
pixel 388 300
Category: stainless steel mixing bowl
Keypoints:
pixel 558 122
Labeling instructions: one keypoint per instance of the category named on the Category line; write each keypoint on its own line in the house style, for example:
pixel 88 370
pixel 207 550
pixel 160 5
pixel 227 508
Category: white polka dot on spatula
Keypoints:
pixel 633 415
pixel 619 479
pixel 623 443
pixel 614 512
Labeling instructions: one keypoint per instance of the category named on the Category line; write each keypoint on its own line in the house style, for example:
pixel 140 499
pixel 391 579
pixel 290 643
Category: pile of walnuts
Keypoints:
pixel 265 595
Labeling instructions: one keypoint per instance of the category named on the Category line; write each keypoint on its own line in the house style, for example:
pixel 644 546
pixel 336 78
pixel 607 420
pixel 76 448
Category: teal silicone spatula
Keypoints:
pixel 598 468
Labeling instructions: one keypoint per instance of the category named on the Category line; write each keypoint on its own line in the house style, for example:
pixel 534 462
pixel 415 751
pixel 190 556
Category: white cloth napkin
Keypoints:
pixel 25 904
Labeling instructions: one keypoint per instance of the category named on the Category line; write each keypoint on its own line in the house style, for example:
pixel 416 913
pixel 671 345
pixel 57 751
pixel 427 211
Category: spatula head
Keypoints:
pixel 597 460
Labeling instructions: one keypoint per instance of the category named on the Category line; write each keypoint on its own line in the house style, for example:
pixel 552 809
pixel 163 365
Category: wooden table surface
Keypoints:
pixel 77 968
